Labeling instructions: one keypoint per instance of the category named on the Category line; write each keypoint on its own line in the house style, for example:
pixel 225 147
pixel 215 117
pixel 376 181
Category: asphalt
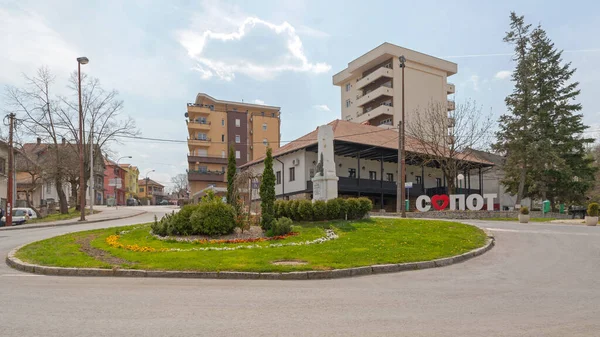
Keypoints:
pixel 539 280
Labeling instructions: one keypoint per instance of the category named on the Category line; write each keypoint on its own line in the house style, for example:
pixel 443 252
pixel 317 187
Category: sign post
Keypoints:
pixel 407 185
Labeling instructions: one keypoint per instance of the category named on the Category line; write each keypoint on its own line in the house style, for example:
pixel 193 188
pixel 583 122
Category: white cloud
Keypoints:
pixel 503 74
pixel 322 107
pixel 254 47
pixel 474 81
pixel 311 32
pixel 259 101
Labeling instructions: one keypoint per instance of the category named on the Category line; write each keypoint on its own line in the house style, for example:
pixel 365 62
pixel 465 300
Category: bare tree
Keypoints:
pixel 54 118
pixel 25 163
pixel 448 139
pixel 180 185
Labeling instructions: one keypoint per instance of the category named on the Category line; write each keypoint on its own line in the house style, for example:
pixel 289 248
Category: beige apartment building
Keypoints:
pixel 371 85
pixel 214 125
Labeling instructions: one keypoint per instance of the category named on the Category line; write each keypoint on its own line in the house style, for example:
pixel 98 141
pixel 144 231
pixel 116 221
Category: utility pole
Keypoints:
pixel 80 61
pixel 403 143
pixel 92 182
pixel 9 189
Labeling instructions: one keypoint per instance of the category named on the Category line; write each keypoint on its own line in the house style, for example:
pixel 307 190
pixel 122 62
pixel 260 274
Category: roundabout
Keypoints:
pixel 327 250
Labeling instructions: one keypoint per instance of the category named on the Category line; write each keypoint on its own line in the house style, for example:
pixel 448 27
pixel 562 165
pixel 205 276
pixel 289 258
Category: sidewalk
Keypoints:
pixel 106 214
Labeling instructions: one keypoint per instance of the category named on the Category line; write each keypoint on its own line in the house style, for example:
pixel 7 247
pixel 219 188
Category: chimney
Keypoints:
pixel 64 141
pixel 39 141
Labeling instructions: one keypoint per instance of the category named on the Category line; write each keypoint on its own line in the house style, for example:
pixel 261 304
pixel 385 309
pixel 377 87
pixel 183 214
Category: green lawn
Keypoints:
pixel 360 243
pixel 516 219
pixel 57 216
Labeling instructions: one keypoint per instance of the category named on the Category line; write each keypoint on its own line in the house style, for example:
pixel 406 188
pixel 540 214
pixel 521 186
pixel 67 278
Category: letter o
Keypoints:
pixel 475 202
pixel 421 203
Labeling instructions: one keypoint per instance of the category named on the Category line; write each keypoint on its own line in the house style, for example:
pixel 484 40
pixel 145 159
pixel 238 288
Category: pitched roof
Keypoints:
pixel 488 156
pixel 150 182
pixel 360 134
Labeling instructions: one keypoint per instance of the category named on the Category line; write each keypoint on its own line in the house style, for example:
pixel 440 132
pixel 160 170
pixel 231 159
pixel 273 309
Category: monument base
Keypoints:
pixel 325 188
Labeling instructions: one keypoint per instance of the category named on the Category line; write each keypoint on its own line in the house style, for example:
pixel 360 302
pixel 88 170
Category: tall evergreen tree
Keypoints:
pixel 231 171
pixel 267 193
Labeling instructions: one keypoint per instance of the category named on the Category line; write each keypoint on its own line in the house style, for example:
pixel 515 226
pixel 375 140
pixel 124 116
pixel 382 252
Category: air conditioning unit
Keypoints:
pixel 296 162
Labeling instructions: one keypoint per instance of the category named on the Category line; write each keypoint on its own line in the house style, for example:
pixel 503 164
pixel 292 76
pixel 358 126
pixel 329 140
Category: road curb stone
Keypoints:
pixel 17 264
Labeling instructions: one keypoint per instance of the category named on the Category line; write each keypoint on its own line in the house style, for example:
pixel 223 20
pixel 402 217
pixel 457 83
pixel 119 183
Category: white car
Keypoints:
pixel 20 215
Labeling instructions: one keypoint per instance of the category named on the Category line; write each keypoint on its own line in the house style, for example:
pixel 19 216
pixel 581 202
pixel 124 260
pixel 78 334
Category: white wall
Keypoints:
pixel 301 175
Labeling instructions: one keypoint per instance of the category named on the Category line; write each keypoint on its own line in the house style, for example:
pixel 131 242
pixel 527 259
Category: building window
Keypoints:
pixel 223 170
pixel 351 173
pixel 222 122
pixel 347 103
pixel 272 114
pixel 419 180
pixel 278 177
pixel 201 120
pixel 2 166
pixel 222 138
pixel 223 154
pixel 212 185
pixel 49 187
pixel 237 139
pixel 262 113
pixel 264 126
pixel 238 155
pixel 390 177
pixel 438 182
pixel 348 86
pixel 237 123
pixel 202 169
pixel 202 136
pixel 202 152
pixel 311 173
pixel 141 190
pixel 265 142
pixel 373 175
pixel 292 173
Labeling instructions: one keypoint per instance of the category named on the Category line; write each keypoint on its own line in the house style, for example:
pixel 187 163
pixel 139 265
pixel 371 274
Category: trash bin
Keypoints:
pixel 407 205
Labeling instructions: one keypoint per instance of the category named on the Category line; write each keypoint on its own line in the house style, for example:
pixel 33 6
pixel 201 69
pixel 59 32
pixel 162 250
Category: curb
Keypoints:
pixel 76 222
pixel 15 263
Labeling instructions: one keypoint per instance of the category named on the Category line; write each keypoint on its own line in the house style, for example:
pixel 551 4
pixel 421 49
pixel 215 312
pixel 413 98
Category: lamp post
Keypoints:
pixel 119 167
pixel 147 173
pixel 460 178
pixel 402 172
pixel 80 61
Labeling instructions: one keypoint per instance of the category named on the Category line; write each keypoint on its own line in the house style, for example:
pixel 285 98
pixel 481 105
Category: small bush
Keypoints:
pixel 319 210
pixel 593 209
pixel 283 210
pixel 353 210
pixel 366 205
pixel 278 208
pixel 524 210
pixel 294 210
pixel 281 226
pixel 213 218
pixel 159 227
pixel 343 208
pixel 333 209
pixel 305 210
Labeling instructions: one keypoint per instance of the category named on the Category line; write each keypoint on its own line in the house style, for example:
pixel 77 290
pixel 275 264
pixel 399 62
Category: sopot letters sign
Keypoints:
pixel 457 202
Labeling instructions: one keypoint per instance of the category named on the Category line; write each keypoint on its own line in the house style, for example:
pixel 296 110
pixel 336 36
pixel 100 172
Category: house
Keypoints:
pixel 366 159
pixel 152 190
pixel 114 182
pixel 132 174
pixel 3 174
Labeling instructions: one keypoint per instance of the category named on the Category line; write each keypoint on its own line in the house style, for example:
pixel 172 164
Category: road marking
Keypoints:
pixel 17 275
pixel 539 232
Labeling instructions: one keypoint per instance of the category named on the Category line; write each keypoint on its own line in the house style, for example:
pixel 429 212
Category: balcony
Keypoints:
pixel 450 88
pixel 199 142
pixel 193 125
pixel 451 122
pixel 378 111
pixel 381 72
pixel 199 109
pixel 217 176
pixel 207 160
pixel 381 91
pixel 451 105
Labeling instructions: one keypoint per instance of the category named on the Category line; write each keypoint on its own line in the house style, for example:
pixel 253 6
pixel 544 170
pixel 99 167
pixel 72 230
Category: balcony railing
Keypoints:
pixel 198 125
pixel 383 109
pixel 451 105
pixel 381 91
pixel 450 88
pixel 381 72
pixel 197 175
pixel 199 142
pixel 206 159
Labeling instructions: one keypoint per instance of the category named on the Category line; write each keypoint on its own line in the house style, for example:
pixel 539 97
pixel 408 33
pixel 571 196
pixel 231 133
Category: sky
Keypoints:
pixel 160 54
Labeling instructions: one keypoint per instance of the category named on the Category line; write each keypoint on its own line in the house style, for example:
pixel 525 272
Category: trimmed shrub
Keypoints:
pixel 213 218
pixel 366 205
pixel 353 209
pixel 334 209
pixel 284 209
pixel 294 210
pixel 305 210
pixel 277 206
pixel 160 227
pixel 524 210
pixel 343 208
pixel 593 209
pixel 320 210
pixel 281 226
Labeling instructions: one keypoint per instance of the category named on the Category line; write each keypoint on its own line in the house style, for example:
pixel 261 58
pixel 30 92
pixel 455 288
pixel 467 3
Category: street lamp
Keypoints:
pixel 80 61
pixel 119 167
pixel 460 178
pixel 147 173
pixel 402 162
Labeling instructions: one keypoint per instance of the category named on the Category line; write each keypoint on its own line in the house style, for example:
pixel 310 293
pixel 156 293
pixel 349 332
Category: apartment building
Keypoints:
pixel 114 182
pixel 215 125
pixel 371 85
pixel 152 190
pixel 132 174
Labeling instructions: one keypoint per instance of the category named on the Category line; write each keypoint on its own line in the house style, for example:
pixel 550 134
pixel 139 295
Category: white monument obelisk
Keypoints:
pixel 325 181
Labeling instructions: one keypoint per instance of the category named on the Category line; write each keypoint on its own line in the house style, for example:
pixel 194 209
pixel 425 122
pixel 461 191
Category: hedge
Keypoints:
pixel 334 209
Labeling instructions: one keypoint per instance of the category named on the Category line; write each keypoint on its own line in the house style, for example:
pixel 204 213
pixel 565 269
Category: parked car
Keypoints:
pixel 132 202
pixel 164 202
pixel 20 215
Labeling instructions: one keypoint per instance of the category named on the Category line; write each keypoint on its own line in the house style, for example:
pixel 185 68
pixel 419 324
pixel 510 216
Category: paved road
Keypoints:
pixel 539 280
